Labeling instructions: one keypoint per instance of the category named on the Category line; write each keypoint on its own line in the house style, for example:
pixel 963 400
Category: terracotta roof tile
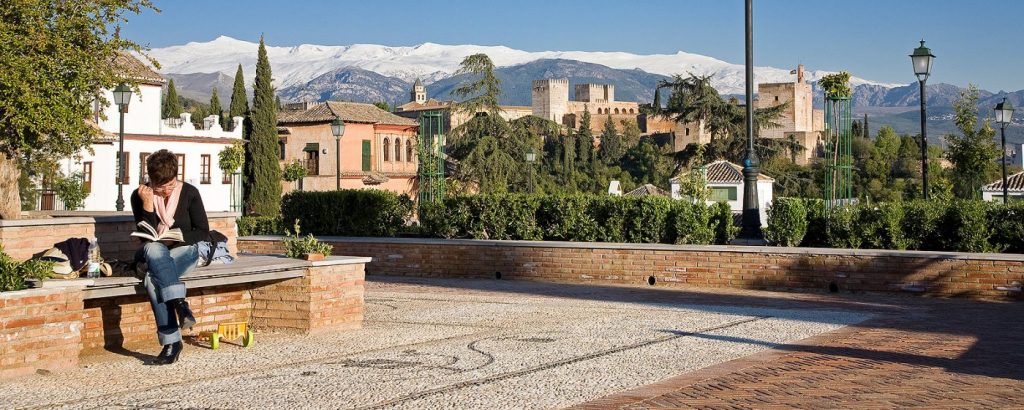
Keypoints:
pixel 130 67
pixel 347 111
pixel 648 190
pixel 727 172
pixel 1014 183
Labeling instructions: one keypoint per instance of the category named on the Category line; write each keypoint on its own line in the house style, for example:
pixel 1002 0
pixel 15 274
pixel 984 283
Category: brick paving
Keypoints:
pixel 916 353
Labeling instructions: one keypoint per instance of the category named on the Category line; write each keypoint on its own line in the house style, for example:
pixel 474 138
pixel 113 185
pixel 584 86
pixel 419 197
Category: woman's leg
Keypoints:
pixel 163 271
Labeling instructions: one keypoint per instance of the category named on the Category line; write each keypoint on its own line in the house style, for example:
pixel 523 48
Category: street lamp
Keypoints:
pixel 338 129
pixel 922 59
pixel 1004 113
pixel 122 96
pixel 531 156
pixel 751 209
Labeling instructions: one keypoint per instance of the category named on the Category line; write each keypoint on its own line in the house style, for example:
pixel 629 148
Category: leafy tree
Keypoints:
pixel 611 149
pixel 649 163
pixel 55 56
pixel 239 105
pixel 481 92
pixel 215 107
pixel 172 103
pixel 383 105
pixel 231 158
pixel 973 153
pixel 263 175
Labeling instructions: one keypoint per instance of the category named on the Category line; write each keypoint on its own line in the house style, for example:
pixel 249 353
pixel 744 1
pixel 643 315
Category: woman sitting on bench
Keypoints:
pixel 166 203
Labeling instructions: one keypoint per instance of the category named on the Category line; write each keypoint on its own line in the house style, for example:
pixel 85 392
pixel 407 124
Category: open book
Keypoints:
pixel 146 231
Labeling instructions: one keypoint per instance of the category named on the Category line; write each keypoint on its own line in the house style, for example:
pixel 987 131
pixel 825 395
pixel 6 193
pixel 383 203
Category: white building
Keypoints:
pixel 726 182
pixel 1014 189
pixel 145 132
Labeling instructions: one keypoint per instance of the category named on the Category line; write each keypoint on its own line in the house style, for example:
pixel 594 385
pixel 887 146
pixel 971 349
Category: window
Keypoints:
pixel 313 162
pixel 398 150
pixel 776 98
pixel 366 155
pixel 87 176
pixel 143 160
pixel 723 194
pixel 280 149
pixel 204 176
pixel 688 131
pixel 408 150
pixel 387 149
pixel 117 170
pixel 181 167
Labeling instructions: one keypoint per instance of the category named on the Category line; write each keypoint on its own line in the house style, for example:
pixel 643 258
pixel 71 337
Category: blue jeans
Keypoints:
pixel 163 284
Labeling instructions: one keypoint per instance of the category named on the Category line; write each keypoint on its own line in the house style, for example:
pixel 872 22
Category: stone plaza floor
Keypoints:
pixel 445 343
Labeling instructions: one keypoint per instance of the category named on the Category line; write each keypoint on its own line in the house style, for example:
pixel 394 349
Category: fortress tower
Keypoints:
pixel 550 98
pixel 419 93
pixel 595 93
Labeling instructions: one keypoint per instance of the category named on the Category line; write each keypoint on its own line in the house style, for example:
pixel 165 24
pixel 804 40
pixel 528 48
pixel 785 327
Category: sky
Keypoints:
pixel 975 42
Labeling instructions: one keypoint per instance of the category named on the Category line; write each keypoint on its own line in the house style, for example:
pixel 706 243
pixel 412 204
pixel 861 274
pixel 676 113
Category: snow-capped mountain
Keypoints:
pixel 431 62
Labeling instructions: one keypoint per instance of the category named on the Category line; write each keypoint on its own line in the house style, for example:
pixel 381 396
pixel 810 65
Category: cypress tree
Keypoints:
pixel 239 105
pixel 277 101
pixel 867 130
pixel 262 174
pixel 611 149
pixel 172 104
pixel 215 108
pixel 585 143
pixel 657 100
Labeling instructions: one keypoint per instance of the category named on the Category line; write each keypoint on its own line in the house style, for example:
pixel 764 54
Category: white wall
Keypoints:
pixel 143 116
pixel 764 196
pixel 216 195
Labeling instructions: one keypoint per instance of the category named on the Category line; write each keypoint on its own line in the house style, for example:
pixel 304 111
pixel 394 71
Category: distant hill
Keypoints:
pixel 350 84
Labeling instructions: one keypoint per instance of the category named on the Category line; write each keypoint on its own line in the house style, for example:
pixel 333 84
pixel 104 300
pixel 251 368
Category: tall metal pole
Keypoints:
pixel 1006 191
pixel 751 209
pixel 120 162
pixel 337 162
pixel 924 140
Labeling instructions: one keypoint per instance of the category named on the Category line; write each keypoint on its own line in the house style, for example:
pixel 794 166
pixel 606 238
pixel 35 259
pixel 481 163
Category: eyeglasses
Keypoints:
pixel 165 188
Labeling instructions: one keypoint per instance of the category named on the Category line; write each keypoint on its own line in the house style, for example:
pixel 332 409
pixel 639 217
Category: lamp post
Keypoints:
pixel 338 129
pixel 122 96
pixel 1004 113
pixel 922 59
pixel 531 156
pixel 751 210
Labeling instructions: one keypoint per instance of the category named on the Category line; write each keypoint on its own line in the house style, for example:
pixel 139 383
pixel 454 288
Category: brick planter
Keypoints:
pixel 40 329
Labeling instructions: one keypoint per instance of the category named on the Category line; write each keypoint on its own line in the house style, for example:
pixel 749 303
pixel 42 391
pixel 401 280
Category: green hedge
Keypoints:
pixel 958 225
pixel 260 225
pixel 363 212
pixel 581 218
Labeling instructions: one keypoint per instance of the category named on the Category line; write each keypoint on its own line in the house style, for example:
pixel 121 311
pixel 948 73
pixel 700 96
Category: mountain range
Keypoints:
pixel 372 73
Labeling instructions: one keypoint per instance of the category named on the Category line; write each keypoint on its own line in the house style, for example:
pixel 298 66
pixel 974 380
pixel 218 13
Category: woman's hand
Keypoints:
pixel 146 194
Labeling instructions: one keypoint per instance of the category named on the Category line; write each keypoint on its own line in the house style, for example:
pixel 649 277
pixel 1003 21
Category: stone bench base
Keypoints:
pixel 51 327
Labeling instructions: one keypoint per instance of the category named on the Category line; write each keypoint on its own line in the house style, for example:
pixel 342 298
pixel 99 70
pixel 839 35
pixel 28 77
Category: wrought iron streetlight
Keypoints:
pixel 531 156
pixel 1004 113
pixel 751 208
pixel 338 130
pixel 122 97
pixel 922 59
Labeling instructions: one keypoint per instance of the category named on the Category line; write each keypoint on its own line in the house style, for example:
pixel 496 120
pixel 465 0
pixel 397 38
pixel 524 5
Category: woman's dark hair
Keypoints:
pixel 162 167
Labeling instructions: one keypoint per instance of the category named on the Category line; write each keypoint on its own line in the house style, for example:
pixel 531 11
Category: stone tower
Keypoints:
pixel 551 98
pixel 419 93
pixel 595 93
pixel 799 115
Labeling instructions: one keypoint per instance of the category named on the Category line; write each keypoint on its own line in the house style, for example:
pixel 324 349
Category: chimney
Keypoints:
pixel 800 74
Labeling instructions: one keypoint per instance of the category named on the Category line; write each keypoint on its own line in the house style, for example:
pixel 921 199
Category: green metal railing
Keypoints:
pixel 838 153
pixel 431 152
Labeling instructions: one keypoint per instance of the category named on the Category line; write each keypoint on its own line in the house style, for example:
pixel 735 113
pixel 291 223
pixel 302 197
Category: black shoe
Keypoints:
pixel 169 354
pixel 187 320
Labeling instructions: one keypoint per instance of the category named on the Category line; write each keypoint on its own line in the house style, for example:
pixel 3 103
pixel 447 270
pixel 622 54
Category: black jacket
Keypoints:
pixel 190 215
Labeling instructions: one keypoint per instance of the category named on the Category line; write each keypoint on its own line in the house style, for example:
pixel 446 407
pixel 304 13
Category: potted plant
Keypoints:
pixel 308 247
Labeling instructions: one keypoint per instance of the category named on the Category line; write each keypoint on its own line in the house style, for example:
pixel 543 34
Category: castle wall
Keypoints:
pixel 550 98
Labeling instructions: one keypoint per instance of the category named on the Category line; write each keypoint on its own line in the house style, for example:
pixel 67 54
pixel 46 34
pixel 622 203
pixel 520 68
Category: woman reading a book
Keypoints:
pixel 171 220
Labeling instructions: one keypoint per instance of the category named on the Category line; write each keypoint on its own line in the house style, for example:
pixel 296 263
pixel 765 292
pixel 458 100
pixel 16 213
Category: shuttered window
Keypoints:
pixel 366 155
pixel 723 194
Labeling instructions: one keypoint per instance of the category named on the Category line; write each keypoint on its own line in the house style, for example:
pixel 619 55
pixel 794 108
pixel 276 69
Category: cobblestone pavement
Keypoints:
pixel 431 343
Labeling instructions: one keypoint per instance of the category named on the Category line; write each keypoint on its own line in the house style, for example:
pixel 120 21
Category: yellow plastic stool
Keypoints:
pixel 230 331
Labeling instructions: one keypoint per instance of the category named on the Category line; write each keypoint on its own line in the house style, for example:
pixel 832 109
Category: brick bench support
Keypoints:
pixel 50 328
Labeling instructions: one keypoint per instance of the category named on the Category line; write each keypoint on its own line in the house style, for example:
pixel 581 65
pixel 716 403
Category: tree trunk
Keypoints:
pixel 10 199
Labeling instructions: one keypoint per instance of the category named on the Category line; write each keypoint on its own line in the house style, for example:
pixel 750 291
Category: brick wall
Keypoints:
pixel 39 329
pixel 930 273
pixel 24 238
pixel 328 298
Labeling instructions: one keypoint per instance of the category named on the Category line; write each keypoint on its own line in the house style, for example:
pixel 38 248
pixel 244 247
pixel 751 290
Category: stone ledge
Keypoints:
pixel 663 247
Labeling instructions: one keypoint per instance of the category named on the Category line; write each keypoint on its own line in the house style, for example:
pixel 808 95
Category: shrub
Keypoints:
pixel 363 212
pixel 881 227
pixel 1007 227
pixel 722 220
pixel 692 223
pixel 646 219
pixel 817 229
pixel 787 222
pixel 567 218
pixel 841 227
pixel 920 224
pixel 296 246
pixel 964 228
pixel 71 190
pixel 260 225
pixel 13 274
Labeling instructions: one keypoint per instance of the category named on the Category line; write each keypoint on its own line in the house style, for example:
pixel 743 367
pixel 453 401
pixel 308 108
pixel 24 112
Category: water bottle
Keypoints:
pixel 94 259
